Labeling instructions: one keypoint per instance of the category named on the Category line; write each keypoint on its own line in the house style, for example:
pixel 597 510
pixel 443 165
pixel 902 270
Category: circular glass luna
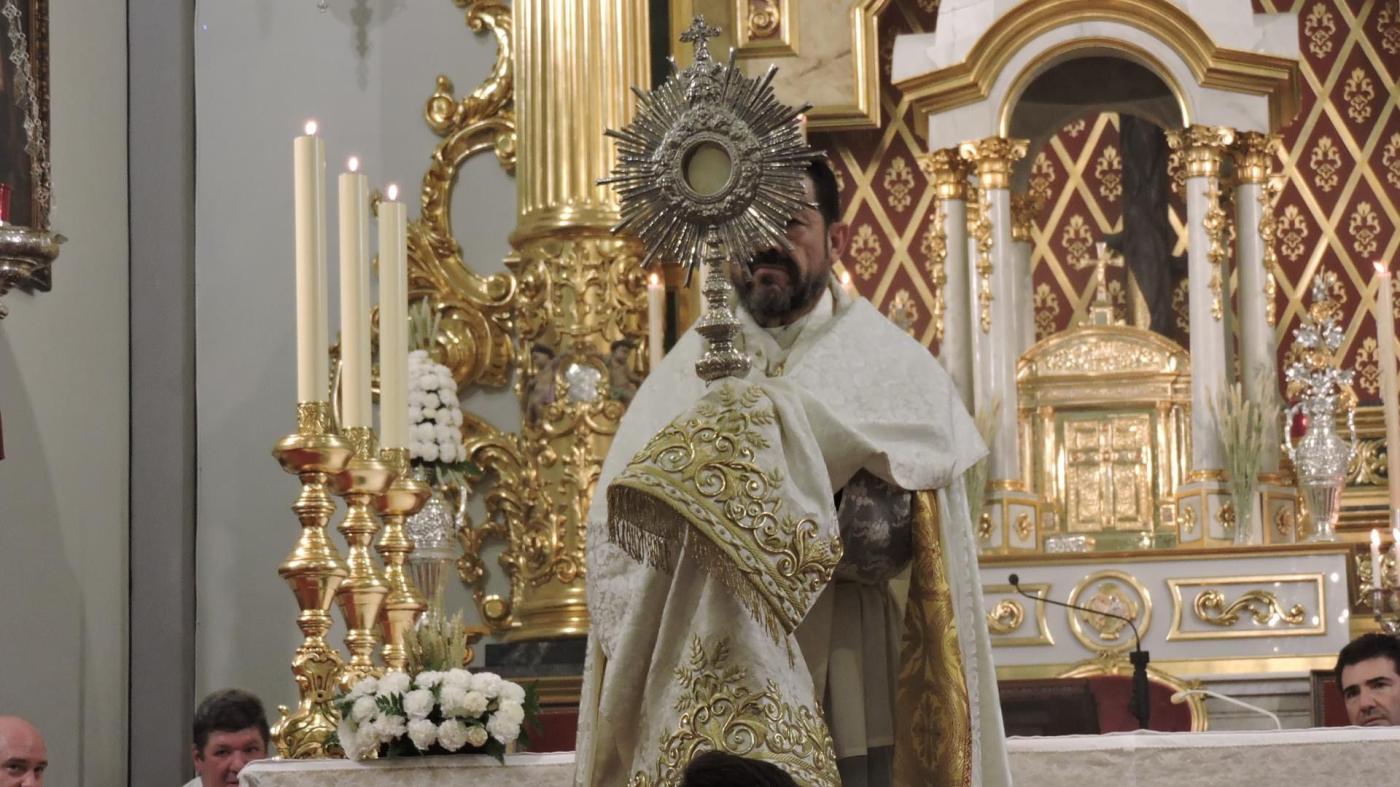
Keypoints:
pixel 708 168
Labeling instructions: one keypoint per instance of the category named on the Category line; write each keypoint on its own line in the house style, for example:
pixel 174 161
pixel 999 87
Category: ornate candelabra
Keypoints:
pixel 403 604
pixel 364 478
pixel 1322 456
pixel 315 571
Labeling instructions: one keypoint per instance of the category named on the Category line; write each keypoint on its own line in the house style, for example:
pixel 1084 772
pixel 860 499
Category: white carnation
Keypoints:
pixel 452 734
pixel 445 381
pixel 457 417
pixel 423 432
pixel 444 434
pixel 428 381
pixel 347 731
pixel 430 414
pixel 417 357
pixel 363 708
pixel 427 679
pixel 447 452
pixel 364 686
pixel 474 704
pixel 415 399
pixel 503 729
pixel 476 735
pixel 393 683
pixel 488 683
pixel 513 711
pixel 430 452
pixel 453 699
pixel 418 703
pixel 431 401
pixel 389 727
pixel 512 692
pixel 415 413
pixel 457 677
pixel 423 733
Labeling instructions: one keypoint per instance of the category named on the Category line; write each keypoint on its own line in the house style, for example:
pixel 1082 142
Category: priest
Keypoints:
pixel 780 566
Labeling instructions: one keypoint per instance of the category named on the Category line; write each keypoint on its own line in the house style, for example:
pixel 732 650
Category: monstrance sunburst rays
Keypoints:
pixel 710 169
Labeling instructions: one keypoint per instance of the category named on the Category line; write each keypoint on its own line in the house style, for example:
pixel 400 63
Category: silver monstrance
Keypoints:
pixel 710 170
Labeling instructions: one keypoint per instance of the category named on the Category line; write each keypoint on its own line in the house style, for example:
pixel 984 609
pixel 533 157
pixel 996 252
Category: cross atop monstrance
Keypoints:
pixel 1101 310
pixel 699 34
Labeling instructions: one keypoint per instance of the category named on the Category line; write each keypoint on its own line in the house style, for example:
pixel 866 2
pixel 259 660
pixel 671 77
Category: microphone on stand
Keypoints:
pixel 1181 696
pixel 1138 657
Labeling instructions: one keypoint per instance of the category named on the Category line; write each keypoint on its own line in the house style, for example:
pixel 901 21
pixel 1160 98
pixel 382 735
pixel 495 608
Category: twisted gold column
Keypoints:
pixel 362 593
pixel 314 570
pixel 404 603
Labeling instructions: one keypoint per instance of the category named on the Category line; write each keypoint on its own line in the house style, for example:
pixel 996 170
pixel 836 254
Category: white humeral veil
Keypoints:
pixel 693 643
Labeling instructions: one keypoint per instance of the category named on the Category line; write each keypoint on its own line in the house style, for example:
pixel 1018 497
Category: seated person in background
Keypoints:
pixel 1368 672
pixel 23 756
pixel 722 769
pixel 230 731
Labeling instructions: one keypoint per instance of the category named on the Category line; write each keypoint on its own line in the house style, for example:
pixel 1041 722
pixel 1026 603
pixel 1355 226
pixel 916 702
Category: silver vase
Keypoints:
pixel 1320 460
pixel 432 531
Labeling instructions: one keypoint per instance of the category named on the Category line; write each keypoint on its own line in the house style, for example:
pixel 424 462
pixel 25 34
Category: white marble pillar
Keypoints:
pixel 1010 506
pixel 1023 209
pixel 948 173
pixel 1201 499
pixel 1254 155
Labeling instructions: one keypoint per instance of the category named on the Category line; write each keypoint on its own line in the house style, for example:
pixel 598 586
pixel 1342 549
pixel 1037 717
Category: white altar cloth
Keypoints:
pixel 477 770
pixel 1301 758
pixel 1298 758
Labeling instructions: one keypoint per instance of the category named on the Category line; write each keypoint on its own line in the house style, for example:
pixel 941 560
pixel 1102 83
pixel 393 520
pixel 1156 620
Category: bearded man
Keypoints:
pixel 779 566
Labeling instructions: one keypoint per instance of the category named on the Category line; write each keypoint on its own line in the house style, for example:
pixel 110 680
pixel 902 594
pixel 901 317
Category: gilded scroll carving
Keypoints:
pixel 1261 605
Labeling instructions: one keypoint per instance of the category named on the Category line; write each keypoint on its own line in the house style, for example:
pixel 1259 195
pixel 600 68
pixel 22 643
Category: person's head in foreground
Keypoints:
pixel 23 756
pixel 230 731
pixel 1368 672
pixel 722 769
pixel 778 287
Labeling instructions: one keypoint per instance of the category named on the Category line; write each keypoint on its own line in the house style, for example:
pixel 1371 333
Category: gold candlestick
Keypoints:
pixel 404 603
pixel 315 571
pixel 362 593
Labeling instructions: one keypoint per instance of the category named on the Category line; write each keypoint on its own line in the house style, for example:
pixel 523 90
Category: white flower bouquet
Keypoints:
pixel 434 411
pixel 434 712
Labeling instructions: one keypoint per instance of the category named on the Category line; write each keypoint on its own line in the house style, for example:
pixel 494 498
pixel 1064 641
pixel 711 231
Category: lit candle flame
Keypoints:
pixel 845 278
pixel 654 280
pixel 391 192
pixel 1381 267
pixel 310 128
pixel 1375 537
pixel 353 164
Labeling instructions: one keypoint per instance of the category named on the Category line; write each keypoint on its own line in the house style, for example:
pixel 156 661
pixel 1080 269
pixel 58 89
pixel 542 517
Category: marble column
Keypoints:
pixel 948 252
pixel 1023 209
pixel 1203 148
pixel 1012 508
pixel 1255 261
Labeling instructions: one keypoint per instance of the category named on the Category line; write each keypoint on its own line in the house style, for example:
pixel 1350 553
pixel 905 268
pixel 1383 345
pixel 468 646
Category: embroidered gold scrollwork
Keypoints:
pixel 718 710
pixel 705 468
pixel 1261 605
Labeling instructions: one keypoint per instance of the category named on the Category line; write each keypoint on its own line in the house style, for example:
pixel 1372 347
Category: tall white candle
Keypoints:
pixel 1395 556
pixel 354 297
pixel 393 321
pixel 1385 356
pixel 309 199
pixel 656 319
pixel 1376 579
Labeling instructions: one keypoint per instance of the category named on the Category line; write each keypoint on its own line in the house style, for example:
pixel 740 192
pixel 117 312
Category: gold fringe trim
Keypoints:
pixel 652 532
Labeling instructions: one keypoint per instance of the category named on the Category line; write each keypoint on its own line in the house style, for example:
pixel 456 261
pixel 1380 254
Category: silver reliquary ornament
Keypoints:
pixel 711 169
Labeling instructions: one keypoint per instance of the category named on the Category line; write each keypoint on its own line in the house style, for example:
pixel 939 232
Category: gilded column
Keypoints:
pixel 949 266
pixel 582 294
pixel 1203 148
pixel 996 327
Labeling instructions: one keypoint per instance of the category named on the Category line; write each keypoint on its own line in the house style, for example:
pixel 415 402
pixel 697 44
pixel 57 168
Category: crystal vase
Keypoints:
pixel 1320 459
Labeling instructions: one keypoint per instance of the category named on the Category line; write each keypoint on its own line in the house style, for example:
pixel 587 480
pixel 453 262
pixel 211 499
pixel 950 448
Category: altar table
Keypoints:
pixel 1295 758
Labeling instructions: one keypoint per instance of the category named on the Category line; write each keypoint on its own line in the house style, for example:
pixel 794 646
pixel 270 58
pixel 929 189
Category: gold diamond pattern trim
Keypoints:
pixel 720 711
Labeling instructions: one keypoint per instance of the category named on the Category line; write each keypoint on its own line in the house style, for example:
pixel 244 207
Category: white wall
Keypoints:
pixel 63 395
pixel 363 70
